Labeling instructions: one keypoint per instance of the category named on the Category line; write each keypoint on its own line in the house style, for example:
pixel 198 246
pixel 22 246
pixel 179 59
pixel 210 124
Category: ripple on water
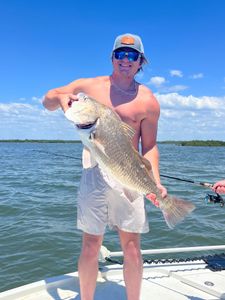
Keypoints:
pixel 38 208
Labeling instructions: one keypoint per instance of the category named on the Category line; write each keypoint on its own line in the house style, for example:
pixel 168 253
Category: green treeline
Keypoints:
pixel 197 143
pixel 207 143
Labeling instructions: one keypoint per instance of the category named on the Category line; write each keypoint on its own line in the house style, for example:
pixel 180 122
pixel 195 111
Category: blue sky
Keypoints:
pixel 46 44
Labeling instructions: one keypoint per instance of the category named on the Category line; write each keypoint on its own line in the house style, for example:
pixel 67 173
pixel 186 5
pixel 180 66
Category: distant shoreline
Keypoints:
pixel 39 141
pixel 196 143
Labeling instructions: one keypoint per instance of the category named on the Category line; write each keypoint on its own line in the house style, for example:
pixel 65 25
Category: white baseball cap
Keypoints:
pixel 132 41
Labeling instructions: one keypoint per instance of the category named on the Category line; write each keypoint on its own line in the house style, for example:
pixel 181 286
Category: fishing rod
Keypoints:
pixel 209 198
pixel 55 154
pixel 205 184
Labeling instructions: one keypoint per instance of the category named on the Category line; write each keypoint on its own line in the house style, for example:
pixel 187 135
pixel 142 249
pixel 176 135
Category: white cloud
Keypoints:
pixel 174 100
pixel 157 81
pixel 176 73
pixel 190 117
pixel 175 88
pixel 26 121
pixel 182 117
pixel 161 84
pixel 197 76
pixel 37 99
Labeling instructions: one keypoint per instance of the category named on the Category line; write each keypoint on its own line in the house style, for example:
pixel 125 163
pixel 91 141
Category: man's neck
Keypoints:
pixel 124 82
pixel 124 85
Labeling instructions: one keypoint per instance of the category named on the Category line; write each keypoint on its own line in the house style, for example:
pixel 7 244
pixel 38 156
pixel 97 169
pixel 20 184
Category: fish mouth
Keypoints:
pixel 87 125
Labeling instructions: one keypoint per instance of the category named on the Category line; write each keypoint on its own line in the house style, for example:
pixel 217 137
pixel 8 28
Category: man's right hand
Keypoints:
pixel 66 101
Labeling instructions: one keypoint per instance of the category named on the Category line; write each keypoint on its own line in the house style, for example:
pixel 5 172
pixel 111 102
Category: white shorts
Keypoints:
pixel 98 205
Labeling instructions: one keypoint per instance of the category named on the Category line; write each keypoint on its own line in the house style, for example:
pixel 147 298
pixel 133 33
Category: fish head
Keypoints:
pixel 84 112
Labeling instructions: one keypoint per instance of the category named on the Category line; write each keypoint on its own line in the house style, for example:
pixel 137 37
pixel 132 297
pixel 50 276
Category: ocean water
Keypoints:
pixel 38 186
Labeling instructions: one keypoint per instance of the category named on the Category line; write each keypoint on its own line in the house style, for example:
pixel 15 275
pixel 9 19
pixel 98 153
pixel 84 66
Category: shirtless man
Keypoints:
pixel 138 107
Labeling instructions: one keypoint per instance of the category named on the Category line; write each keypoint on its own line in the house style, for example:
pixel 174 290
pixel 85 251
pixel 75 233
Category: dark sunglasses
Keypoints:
pixel 131 56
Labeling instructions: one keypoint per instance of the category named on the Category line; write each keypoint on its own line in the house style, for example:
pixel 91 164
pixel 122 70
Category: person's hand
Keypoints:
pixel 219 187
pixel 152 197
pixel 66 101
pixel 162 189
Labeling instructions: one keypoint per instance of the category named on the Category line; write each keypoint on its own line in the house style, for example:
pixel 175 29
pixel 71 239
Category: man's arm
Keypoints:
pixel 149 126
pixel 61 97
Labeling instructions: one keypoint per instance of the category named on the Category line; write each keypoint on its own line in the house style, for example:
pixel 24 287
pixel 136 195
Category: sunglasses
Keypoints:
pixel 131 56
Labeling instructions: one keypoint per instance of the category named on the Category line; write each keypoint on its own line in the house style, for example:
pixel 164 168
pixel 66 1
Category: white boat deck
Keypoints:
pixel 195 279
pixel 176 281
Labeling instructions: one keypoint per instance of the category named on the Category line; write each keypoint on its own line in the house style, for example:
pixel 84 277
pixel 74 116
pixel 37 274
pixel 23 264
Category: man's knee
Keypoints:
pixel 132 252
pixel 91 245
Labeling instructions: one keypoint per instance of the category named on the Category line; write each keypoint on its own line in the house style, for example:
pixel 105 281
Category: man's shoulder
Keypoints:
pixel 101 80
pixel 144 89
pixel 146 94
pixel 148 101
pixel 91 79
pixel 85 84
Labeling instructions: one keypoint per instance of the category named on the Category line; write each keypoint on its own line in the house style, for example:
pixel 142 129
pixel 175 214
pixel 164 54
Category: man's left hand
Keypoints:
pixel 152 197
pixel 162 189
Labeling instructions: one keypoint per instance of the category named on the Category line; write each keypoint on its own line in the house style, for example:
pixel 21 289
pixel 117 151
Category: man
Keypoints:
pixel 137 106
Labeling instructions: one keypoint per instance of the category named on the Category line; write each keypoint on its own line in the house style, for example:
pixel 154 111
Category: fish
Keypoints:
pixel 109 141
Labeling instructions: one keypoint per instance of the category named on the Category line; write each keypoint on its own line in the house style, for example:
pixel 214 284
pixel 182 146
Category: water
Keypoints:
pixel 38 235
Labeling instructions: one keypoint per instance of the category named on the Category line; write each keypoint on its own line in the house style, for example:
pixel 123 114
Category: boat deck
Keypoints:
pixel 170 281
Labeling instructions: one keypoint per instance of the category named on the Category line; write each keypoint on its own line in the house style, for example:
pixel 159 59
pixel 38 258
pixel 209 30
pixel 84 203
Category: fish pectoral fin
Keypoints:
pixel 99 145
pixel 130 195
pixel 128 130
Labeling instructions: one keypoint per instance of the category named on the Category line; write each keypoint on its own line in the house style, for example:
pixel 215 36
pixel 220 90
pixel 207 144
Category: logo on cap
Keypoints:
pixel 127 40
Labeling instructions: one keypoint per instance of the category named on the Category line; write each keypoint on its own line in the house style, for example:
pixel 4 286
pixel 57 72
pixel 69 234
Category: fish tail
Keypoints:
pixel 175 210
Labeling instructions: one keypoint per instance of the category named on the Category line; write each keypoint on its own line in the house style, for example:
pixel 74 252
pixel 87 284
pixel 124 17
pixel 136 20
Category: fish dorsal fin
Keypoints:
pixel 128 130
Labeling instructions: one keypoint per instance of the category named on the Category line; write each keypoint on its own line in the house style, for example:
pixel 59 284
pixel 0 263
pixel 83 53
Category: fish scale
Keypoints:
pixel 119 164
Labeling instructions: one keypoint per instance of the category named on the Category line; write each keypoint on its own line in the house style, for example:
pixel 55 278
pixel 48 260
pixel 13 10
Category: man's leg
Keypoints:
pixel 88 265
pixel 133 264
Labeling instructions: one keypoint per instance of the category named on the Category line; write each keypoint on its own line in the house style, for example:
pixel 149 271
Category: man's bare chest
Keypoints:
pixel 131 111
